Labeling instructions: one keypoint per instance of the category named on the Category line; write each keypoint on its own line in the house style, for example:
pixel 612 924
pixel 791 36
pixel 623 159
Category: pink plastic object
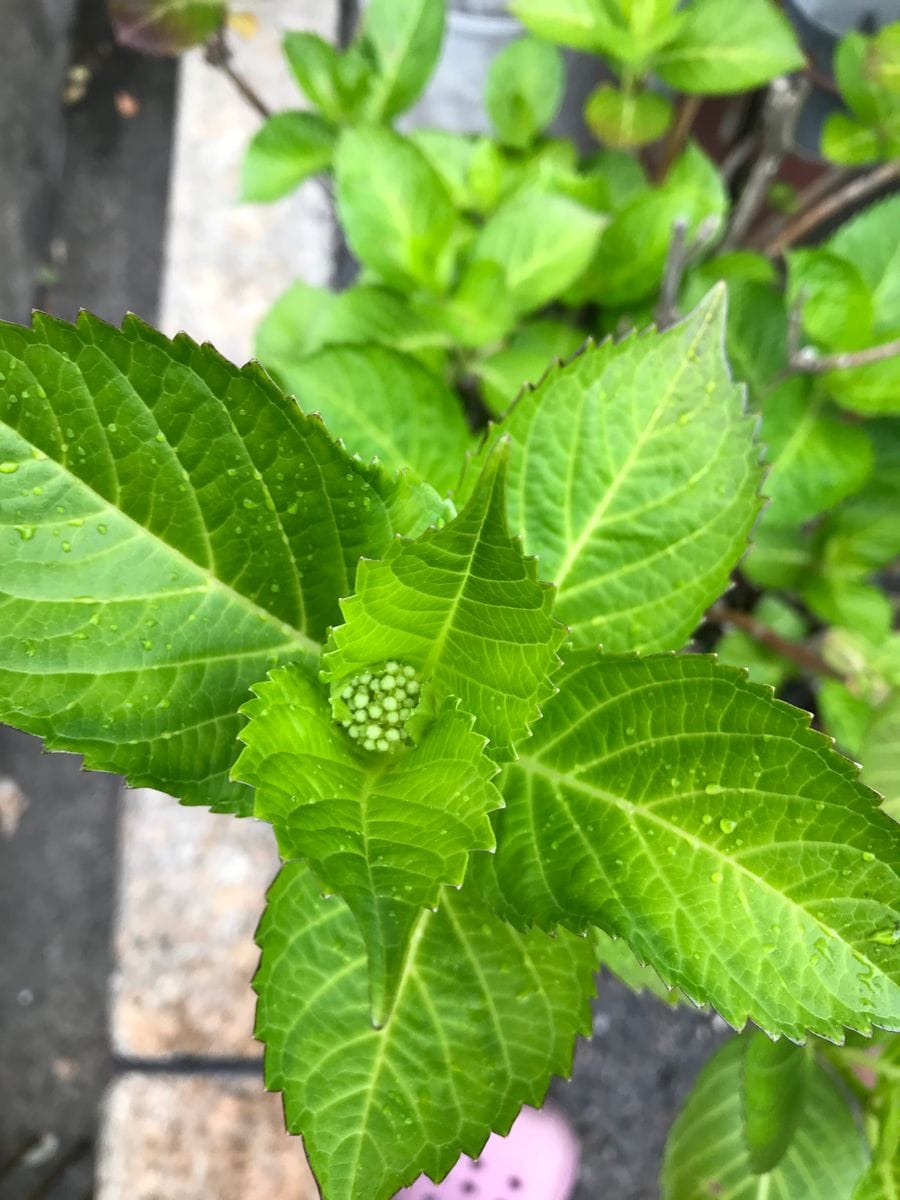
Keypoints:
pixel 537 1160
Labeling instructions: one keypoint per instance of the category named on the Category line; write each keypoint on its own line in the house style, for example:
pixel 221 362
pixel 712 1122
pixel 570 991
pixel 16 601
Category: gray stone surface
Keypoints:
pixel 226 262
pixel 190 1137
pixel 192 889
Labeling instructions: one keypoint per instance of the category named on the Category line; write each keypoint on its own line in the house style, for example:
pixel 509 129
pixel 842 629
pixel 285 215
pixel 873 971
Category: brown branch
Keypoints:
pixel 219 55
pixel 796 652
pixel 676 258
pixel 784 100
pixel 828 181
pixel 835 202
pixel 808 361
pixel 677 136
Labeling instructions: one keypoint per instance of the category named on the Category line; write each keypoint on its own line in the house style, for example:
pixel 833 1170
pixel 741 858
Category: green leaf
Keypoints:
pixel 480 310
pixel 884 57
pixel 524 90
pixel 723 47
pixel 464 608
pixel 405 38
pixel 397 214
pixel 172 527
pixel 815 457
pixel 833 297
pixel 849 142
pixel 863 533
pixel 385 405
pixel 735 851
pixel 627 118
pixel 880 752
pixel 334 82
pixel 637 552
pixel 473 168
pixel 871 242
pixel 631 256
pixel 285 150
pixel 705 1155
pixel 773 1092
pixel 531 351
pixel 305 319
pixel 882 1180
pixel 542 241
pixel 377 1107
pixel 581 24
pixel 165 26
pixel 384 830
pixel 617 957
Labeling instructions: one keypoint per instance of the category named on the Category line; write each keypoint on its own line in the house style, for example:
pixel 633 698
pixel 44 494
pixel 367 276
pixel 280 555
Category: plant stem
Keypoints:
pixel 783 103
pixel 219 55
pixel 827 182
pixel 835 202
pixel 677 135
pixel 796 652
pixel 808 361
pixel 667 306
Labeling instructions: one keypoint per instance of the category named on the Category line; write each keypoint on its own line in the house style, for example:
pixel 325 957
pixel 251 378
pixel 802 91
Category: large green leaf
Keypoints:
pixel 773 1092
pixel 674 804
pixel 634 480
pixel 384 404
pixel 531 351
pixel 484 1015
pixel 706 1156
pixel 524 90
pixel 542 241
pixel 285 150
pixel 465 608
pixel 724 47
pixel 394 208
pixel 382 829
pixel 165 26
pixel 172 527
pixel 404 37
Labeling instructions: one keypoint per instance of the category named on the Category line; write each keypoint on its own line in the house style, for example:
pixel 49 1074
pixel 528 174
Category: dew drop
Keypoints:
pixel 727 825
pixel 25 532
pixel 716 877
pixel 147 644
pixel 714 789
pixel 112 427
pixel 868 856
pixel 101 529
pixel 67 546
pixel 8 468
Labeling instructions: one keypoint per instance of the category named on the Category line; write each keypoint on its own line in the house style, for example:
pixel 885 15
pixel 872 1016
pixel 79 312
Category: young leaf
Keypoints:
pixel 483 1017
pixel 333 81
pixel 384 830
pixel 581 24
pixel 706 1157
pixel 304 319
pixel 723 47
pixel 542 241
pixel 287 149
pixel 397 214
pixel 637 552
pixel 473 168
pixel 165 26
pixel 172 527
pixel 385 405
pixel 465 608
pixel 681 809
pixel 627 118
pixel 405 38
pixel 524 90
pixel 773 1093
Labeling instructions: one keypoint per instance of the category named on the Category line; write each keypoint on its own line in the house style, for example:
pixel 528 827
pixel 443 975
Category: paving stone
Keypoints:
pixel 189 1137
pixel 226 262
pixel 192 888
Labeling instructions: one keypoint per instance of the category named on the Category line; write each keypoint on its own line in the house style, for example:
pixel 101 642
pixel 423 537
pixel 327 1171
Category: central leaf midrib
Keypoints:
pixel 303 640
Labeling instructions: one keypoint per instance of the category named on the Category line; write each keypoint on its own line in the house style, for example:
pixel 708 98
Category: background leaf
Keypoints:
pixel 405 38
pixel 172 527
pixel 333 81
pixel 384 830
pixel 524 90
pixel 285 150
pixel 637 550
pixel 705 1155
pixel 530 352
pixel 377 1107
pixel 681 809
pixel 723 47
pixel 165 26
pixel 385 405
pixel 394 208
pixel 465 608
pixel 627 118
pixel 773 1091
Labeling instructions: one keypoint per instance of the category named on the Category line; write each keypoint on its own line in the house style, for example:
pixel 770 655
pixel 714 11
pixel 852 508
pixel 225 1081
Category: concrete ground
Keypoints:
pixel 125 921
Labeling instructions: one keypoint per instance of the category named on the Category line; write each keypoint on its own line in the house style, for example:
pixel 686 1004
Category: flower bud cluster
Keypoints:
pixel 381 701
